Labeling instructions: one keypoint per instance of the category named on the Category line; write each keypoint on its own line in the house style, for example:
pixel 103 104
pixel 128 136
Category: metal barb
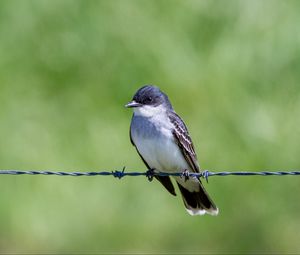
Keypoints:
pixel 205 175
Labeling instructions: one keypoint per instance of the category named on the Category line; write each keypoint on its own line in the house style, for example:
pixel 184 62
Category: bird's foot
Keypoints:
pixel 150 174
pixel 185 174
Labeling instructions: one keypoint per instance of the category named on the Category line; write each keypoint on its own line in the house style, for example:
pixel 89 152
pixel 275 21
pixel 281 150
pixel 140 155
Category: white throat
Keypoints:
pixel 149 111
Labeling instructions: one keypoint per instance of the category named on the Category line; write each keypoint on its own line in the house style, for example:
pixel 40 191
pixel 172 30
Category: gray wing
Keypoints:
pixel 164 180
pixel 184 141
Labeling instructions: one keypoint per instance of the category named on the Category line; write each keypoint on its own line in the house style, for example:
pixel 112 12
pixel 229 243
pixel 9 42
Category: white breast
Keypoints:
pixel 155 142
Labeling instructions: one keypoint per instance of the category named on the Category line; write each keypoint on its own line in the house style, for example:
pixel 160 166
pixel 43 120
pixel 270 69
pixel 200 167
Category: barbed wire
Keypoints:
pixel 149 174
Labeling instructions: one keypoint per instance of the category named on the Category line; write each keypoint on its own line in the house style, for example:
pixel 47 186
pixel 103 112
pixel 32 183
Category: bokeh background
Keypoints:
pixel 231 70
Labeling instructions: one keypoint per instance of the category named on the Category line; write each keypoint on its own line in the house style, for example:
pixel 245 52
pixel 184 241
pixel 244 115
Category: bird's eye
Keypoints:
pixel 149 99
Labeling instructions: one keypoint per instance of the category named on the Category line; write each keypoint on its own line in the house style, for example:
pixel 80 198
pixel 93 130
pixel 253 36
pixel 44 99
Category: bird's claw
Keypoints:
pixel 150 174
pixel 185 174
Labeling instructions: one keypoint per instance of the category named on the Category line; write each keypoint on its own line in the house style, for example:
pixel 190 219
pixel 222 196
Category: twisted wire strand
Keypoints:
pixel 149 174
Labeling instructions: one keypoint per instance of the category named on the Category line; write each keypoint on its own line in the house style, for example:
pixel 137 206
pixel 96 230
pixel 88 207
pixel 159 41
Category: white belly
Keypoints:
pixel 158 147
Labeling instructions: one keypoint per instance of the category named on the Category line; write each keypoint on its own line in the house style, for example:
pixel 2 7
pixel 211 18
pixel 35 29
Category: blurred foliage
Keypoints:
pixel 231 70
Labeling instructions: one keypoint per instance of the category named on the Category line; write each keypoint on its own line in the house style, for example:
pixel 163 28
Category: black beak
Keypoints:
pixel 133 104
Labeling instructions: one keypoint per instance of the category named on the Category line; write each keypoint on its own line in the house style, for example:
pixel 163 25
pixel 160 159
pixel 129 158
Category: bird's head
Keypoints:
pixel 149 101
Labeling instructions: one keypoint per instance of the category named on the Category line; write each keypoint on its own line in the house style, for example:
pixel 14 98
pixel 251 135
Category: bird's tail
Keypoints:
pixel 195 197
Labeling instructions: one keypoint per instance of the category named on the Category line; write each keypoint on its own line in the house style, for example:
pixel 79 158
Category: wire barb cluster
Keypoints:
pixel 149 174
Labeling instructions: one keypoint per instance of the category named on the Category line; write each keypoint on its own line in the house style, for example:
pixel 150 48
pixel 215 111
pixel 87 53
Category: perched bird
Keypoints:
pixel 163 142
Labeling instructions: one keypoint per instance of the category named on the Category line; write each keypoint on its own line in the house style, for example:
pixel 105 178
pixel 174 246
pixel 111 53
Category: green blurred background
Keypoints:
pixel 231 70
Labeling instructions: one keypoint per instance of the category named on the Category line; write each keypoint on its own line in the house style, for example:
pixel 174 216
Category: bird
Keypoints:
pixel 162 140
